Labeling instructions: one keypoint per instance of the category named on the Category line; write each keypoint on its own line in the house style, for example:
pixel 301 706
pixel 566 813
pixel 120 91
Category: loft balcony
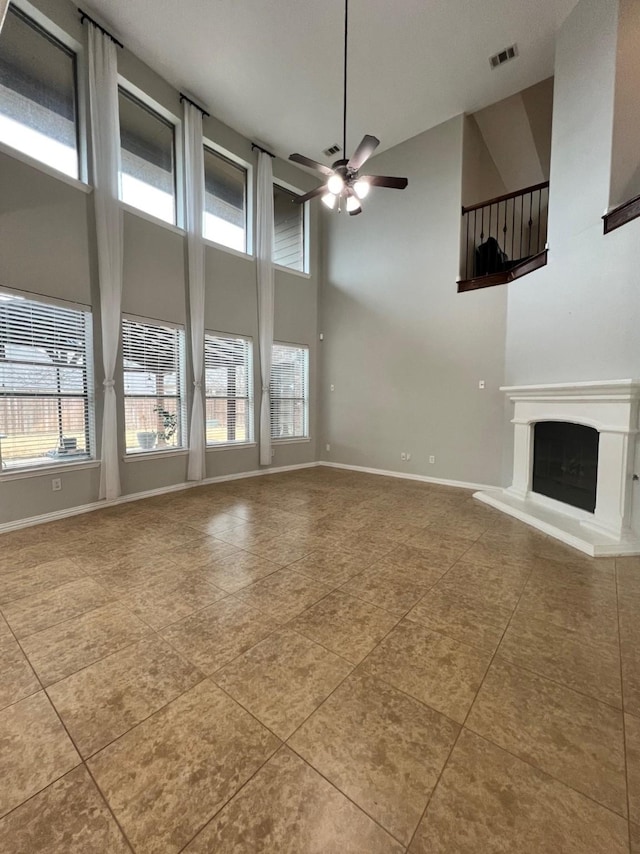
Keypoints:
pixel 504 238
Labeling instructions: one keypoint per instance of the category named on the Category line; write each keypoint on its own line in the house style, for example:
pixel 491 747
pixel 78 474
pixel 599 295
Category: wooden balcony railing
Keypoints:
pixel 504 238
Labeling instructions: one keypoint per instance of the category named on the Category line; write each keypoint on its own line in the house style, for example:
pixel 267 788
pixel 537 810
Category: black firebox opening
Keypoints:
pixel 565 463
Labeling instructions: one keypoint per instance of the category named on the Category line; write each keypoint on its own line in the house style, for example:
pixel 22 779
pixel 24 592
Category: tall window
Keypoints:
pixel 46 383
pixel 288 227
pixel 38 112
pixel 229 389
pixel 147 171
pixel 154 406
pixel 225 201
pixel 289 392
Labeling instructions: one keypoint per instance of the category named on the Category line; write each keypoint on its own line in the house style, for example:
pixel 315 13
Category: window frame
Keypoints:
pixel 157 110
pixel 305 399
pixel 305 272
pixel 90 459
pixel 250 441
pixel 181 399
pixel 59 38
pixel 225 154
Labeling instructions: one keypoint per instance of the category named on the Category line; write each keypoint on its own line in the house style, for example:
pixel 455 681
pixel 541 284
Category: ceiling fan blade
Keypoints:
pixel 363 152
pixel 385 181
pixel 312 164
pixel 300 200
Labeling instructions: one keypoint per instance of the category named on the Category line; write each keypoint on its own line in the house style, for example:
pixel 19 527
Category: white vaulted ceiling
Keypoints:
pixel 272 69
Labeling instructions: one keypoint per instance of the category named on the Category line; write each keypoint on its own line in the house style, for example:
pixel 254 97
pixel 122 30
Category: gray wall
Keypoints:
pixel 404 351
pixel 578 318
pixel 47 246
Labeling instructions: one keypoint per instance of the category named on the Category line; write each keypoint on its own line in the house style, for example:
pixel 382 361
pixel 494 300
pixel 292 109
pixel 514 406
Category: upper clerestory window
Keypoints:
pixel 38 94
pixel 147 159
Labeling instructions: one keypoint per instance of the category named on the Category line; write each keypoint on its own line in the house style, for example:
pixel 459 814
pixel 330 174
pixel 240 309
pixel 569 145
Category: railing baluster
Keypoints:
pixel 481 259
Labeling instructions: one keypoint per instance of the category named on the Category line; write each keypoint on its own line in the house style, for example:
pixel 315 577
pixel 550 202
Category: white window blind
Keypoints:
pixel 154 405
pixel 38 112
pixel 288 230
pixel 289 392
pixel 46 383
pixel 147 155
pixel 229 389
pixel 225 201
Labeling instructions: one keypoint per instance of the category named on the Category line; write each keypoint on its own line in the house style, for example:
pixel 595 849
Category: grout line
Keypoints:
pixel 624 723
pixel 471 705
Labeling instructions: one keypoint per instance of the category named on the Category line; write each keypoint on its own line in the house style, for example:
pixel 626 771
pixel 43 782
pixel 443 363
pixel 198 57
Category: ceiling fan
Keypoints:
pixel 344 183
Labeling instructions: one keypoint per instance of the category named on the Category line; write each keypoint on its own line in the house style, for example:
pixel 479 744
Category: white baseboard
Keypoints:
pixel 461 484
pixel 137 496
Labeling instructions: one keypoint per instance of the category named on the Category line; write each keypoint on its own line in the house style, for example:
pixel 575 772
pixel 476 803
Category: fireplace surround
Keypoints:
pixel 611 408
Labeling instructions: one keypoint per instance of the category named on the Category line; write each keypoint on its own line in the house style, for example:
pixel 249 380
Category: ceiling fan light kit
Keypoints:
pixel 344 186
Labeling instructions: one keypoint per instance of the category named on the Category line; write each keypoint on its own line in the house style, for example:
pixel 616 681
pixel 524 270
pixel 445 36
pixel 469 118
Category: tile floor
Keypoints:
pixel 319 662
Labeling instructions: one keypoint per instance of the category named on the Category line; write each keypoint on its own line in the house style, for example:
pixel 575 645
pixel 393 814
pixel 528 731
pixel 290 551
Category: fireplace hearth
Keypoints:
pixel 573 463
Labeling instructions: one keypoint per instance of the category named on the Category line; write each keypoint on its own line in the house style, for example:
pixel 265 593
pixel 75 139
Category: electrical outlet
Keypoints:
pixel 328 446
pixel 480 383
pixel 408 456
pixel 332 387
pixel 56 484
pixel 432 460
pixel 403 457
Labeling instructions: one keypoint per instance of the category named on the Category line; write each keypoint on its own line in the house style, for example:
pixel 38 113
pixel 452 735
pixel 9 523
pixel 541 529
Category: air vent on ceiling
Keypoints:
pixel 504 56
pixel 333 149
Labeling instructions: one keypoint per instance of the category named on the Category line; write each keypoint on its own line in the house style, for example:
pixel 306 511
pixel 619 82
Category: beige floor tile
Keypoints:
pixel 433 668
pixel 490 802
pixel 66 647
pixel 634 834
pixel 219 633
pixel 443 550
pixel 167 602
pixel 140 569
pixel 628 574
pixel 42 610
pixel 632 741
pixel 283 595
pixel 37 548
pixel 34 750
pixel 574 738
pixel 386 586
pixel 167 777
pixel 467 616
pixel 101 702
pixel 283 679
pixel 564 656
pixel 331 566
pixel 201 551
pixel 347 626
pixel 288 808
pixel 629 624
pixel 282 550
pixel 383 749
pixel 17 679
pixel 416 564
pixel 68 817
pixel 236 571
pixel 591 613
pixel 45 576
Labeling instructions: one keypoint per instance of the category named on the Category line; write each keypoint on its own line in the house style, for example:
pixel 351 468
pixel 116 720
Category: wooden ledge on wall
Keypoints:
pixel 489 281
pixel 622 214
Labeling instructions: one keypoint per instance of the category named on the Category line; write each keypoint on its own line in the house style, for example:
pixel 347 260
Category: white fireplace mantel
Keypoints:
pixel 611 407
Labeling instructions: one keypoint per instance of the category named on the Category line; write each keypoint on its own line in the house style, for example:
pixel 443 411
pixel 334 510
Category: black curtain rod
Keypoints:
pixel 255 145
pixel 84 17
pixel 193 104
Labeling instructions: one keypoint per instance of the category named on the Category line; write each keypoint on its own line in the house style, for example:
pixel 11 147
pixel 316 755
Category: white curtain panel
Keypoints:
pixel 194 208
pixel 105 145
pixel 4 5
pixel 264 253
